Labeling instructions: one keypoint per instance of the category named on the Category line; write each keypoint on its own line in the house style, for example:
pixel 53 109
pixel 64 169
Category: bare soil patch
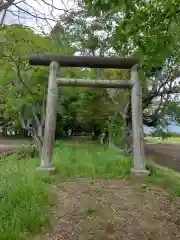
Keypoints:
pixel 167 155
pixel 8 146
pixel 119 209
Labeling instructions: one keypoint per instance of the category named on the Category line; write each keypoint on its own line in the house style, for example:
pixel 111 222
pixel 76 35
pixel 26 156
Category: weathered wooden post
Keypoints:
pixel 139 168
pixel 50 121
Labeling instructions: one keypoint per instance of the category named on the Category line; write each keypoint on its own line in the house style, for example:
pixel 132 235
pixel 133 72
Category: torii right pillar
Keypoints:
pixel 139 168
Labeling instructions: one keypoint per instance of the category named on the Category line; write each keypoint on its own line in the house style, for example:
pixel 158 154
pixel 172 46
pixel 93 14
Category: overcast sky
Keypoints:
pixel 40 8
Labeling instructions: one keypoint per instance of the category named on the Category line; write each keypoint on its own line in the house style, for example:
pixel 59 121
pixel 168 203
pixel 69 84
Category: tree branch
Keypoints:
pixel 6 5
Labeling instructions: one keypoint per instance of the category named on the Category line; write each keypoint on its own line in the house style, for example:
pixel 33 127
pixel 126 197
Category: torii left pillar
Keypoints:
pixel 50 121
pixel 139 168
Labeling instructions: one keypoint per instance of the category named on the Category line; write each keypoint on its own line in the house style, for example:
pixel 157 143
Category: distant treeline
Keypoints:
pixel 163 134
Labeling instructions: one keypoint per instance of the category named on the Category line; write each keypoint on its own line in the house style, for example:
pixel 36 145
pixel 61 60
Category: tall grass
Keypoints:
pixel 23 192
pixel 22 199
pixel 91 161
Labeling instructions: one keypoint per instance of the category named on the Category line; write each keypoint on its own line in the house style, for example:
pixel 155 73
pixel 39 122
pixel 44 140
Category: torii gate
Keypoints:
pixel 55 62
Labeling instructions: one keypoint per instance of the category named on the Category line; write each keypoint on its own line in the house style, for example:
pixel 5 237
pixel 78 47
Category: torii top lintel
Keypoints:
pixel 83 61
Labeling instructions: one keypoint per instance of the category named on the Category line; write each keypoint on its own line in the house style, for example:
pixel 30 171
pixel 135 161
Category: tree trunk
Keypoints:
pixel 127 134
pixel 97 132
pixel 36 131
pixel 127 138
pixel 22 133
pixel 38 144
pixel 110 139
pixel 4 132
pixel 106 138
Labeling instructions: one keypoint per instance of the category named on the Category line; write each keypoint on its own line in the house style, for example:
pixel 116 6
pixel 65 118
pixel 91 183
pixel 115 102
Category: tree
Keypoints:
pixel 23 88
pixel 148 30
pixel 145 29
pixel 89 37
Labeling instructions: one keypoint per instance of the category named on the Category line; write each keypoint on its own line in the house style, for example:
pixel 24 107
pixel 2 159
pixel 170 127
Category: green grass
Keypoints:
pixel 24 197
pixel 171 140
pixel 90 161
pixel 23 191
pixel 164 177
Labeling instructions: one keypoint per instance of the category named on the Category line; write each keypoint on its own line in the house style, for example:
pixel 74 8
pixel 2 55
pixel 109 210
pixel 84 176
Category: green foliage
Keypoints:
pixel 160 133
pixel 173 135
pixel 165 135
pixel 23 88
pixel 82 32
pixel 19 43
pixel 24 94
pixel 92 107
pixel 146 30
pixel 150 27
pixel 173 111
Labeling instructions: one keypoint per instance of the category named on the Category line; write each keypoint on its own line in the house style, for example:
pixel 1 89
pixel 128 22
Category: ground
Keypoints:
pixel 166 154
pixel 118 209
pixel 8 145
pixel 85 206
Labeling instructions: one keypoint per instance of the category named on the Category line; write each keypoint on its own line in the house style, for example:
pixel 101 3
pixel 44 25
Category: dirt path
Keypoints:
pixel 6 150
pixel 8 146
pixel 107 210
pixel 167 155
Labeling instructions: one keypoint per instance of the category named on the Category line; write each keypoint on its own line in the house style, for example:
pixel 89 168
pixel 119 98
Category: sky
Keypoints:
pixel 41 8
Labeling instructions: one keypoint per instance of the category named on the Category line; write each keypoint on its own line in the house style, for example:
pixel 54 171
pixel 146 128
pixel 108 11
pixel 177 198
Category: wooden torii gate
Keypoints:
pixel 55 62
